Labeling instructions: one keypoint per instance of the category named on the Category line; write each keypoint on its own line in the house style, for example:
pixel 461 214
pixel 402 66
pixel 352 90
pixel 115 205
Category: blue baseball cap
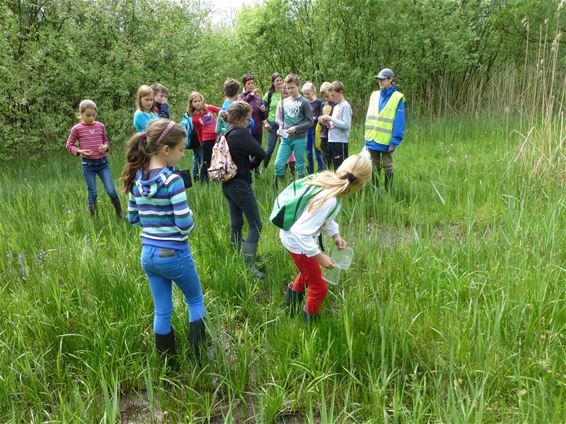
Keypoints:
pixel 385 73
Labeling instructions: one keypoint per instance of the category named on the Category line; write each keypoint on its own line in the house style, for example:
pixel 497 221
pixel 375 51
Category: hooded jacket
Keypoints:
pixel 159 205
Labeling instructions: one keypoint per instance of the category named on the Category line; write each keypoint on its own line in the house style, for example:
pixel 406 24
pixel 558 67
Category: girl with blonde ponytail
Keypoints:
pixel 300 239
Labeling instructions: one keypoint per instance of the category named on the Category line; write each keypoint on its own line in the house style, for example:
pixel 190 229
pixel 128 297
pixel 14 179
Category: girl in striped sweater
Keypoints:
pixel 158 203
pixel 88 141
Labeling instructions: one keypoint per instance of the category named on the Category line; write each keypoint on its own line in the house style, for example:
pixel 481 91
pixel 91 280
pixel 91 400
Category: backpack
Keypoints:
pixel 192 137
pixel 222 167
pixel 291 203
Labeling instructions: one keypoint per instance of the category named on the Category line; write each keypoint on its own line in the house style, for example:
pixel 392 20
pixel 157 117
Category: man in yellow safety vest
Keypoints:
pixel 385 125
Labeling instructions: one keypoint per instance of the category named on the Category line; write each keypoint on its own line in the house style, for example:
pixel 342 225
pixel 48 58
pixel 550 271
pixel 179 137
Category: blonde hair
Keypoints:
pixel 309 85
pixel 87 104
pixel 190 109
pixel 143 145
pixel 143 91
pixel 350 177
pixel 325 88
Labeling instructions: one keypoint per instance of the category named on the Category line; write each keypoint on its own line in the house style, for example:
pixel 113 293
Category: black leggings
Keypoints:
pixel 207 146
pixel 242 201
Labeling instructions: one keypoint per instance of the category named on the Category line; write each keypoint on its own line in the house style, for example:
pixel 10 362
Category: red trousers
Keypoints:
pixel 310 276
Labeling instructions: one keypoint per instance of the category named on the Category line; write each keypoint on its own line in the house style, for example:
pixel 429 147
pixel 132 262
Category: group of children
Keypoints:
pixel 157 200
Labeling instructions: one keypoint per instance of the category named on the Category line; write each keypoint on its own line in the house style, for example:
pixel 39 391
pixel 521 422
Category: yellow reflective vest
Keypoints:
pixel 379 125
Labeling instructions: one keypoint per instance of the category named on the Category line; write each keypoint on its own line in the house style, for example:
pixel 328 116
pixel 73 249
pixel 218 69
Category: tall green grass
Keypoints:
pixel 454 310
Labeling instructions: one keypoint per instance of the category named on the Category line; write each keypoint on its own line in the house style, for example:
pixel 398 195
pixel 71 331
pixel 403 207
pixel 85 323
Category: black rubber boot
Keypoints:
pixel 293 300
pixel 92 210
pixel 388 180
pixel 165 345
pixel 250 251
pixel 197 338
pixel 310 318
pixel 117 207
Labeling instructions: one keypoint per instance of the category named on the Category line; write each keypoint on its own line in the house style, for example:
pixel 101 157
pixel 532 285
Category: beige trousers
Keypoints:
pixel 382 160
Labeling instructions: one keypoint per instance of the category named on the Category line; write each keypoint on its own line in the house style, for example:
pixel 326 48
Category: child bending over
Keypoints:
pixel 319 214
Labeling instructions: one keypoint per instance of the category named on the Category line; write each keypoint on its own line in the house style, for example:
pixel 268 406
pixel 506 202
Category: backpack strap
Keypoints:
pixel 224 134
pixel 269 96
pixel 300 203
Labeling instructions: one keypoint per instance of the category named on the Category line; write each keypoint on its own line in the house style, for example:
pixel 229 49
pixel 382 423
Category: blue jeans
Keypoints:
pixel 310 145
pixel 100 167
pixel 271 141
pixel 197 160
pixel 287 146
pixel 162 267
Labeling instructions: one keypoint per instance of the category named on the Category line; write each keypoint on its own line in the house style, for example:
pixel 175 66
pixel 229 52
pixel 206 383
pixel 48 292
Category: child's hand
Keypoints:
pixel 325 261
pixel 84 153
pixel 391 149
pixel 102 149
pixel 268 127
pixel 291 130
pixel 340 242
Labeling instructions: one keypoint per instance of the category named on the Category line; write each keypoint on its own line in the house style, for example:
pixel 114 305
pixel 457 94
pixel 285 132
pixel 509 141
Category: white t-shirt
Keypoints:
pixel 301 237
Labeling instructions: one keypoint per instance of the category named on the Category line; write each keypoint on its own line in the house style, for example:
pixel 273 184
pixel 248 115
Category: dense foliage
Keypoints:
pixel 57 52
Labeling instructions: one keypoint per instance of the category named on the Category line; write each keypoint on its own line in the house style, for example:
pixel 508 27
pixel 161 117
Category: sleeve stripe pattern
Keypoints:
pixel 166 217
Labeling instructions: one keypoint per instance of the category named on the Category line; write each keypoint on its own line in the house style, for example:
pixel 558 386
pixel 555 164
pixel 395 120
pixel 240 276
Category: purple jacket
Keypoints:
pixel 257 115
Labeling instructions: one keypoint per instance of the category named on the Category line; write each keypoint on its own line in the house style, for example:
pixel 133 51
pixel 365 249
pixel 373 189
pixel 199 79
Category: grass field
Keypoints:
pixel 453 312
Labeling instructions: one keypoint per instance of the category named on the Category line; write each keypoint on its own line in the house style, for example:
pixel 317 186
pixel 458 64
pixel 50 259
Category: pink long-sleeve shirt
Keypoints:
pixel 90 137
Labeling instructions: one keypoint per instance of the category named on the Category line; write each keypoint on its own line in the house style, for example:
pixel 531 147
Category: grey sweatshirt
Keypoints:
pixel 297 113
pixel 341 123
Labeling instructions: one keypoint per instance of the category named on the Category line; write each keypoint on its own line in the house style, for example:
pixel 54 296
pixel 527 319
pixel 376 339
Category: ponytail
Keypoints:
pixel 142 146
pixel 136 158
pixel 350 177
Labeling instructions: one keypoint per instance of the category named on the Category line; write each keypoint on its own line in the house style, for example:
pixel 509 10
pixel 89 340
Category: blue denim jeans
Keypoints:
pixel 287 146
pixel 100 167
pixel 310 146
pixel 162 267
